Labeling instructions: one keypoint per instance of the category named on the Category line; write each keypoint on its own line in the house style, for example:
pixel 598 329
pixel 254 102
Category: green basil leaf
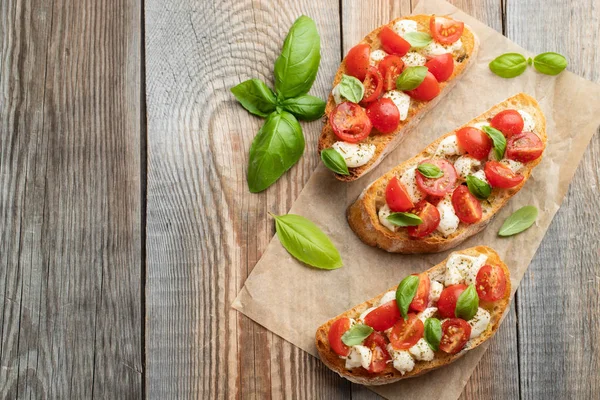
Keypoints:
pixel 467 303
pixel 296 67
pixel 351 88
pixel 430 170
pixel 418 40
pixel 278 145
pixel 509 65
pixel 306 242
pixel 520 220
pixel 550 63
pixel 356 335
pixel 405 293
pixel 334 161
pixel 433 333
pixel 305 107
pixel 411 78
pixel 404 219
pixel 255 96
pixel 498 139
pixel 478 188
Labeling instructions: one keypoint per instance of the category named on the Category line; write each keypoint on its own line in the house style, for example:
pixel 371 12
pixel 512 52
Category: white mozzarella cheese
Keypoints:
pixel 528 121
pixel 383 213
pixel 479 322
pixel 514 166
pixel 413 59
pixel 461 268
pixel 404 26
pixel 401 100
pixel 436 49
pixel 476 265
pixel 421 351
pixel 337 97
pixel 402 360
pixel 449 147
pixel 448 219
pixel 435 291
pixel 362 316
pixel 355 154
pixel 376 56
pixel 465 165
pixel 389 296
pixel 429 311
pixel 359 356
pixel 409 181
pixel 480 125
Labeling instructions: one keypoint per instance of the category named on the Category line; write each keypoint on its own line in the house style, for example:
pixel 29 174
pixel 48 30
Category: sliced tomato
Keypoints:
pixel 384 115
pixel 524 147
pixel 427 90
pixel 509 122
pixel 390 68
pixel 475 142
pixel 448 298
pixel 445 30
pixel 378 345
pixel 350 122
pixel 455 334
pixel 338 328
pixel 430 216
pixel 441 66
pixel 384 316
pixel 500 176
pixel 437 187
pixel 491 283
pixel 373 84
pixel 419 302
pixel 393 43
pixel 466 206
pixel 405 334
pixel 396 196
pixel 357 61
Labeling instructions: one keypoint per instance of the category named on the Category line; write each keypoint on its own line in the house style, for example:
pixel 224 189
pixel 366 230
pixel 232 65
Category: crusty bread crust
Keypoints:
pixel 386 143
pixel 363 218
pixel 390 374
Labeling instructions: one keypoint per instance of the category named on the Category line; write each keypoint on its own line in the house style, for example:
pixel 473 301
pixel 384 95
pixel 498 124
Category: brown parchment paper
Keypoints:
pixel 293 300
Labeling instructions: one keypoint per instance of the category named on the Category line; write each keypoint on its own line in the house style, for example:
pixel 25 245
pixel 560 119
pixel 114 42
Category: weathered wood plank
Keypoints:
pixel 205 230
pixel 558 304
pixel 70 312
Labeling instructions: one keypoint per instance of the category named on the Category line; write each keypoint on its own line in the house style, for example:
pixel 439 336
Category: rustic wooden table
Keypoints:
pixel 126 226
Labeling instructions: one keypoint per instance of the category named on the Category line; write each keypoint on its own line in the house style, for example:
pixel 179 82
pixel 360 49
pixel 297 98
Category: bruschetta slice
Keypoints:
pixel 388 82
pixel 427 321
pixel 456 185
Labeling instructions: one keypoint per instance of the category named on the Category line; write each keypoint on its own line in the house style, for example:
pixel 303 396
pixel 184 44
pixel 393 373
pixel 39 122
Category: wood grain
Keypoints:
pixel 70 311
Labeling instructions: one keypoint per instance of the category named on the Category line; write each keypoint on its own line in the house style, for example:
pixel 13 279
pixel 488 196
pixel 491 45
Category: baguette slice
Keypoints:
pixel 386 143
pixel 362 214
pixel 390 374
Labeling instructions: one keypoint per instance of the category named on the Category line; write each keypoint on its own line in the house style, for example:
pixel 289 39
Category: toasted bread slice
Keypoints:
pixel 360 375
pixel 386 143
pixel 362 214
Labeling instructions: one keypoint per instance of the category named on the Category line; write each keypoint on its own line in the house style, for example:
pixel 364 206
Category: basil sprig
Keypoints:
pixel 411 78
pixel 509 65
pixel 429 170
pixel 404 219
pixel 306 242
pixel 418 40
pixel 519 221
pixel 351 88
pixel 405 293
pixel 478 187
pixel 498 140
pixel 279 144
pixel 467 303
pixel 550 63
pixel 356 335
pixel 334 161
pixel 433 333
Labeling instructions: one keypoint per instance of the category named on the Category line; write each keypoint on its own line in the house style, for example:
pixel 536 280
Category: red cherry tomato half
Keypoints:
pixel 384 316
pixel 396 197
pixel 357 61
pixel 373 84
pixel 524 147
pixel 441 66
pixel 491 283
pixel 350 122
pixel 338 328
pixel 448 299
pixel 475 142
pixel 390 68
pixel 384 115
pixel 430 216
pixel 445 30
pixel 437 187
pixel 419 302
pixel 455 334
pixel 509 122
pixel 393 43
pixel 500 176
pixel 378 345
pixel 466 206
pixel 427 90
pixel 405 334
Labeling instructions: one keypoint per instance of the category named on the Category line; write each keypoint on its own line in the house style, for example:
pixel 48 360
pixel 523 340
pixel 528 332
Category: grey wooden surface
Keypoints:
pixel 126 228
